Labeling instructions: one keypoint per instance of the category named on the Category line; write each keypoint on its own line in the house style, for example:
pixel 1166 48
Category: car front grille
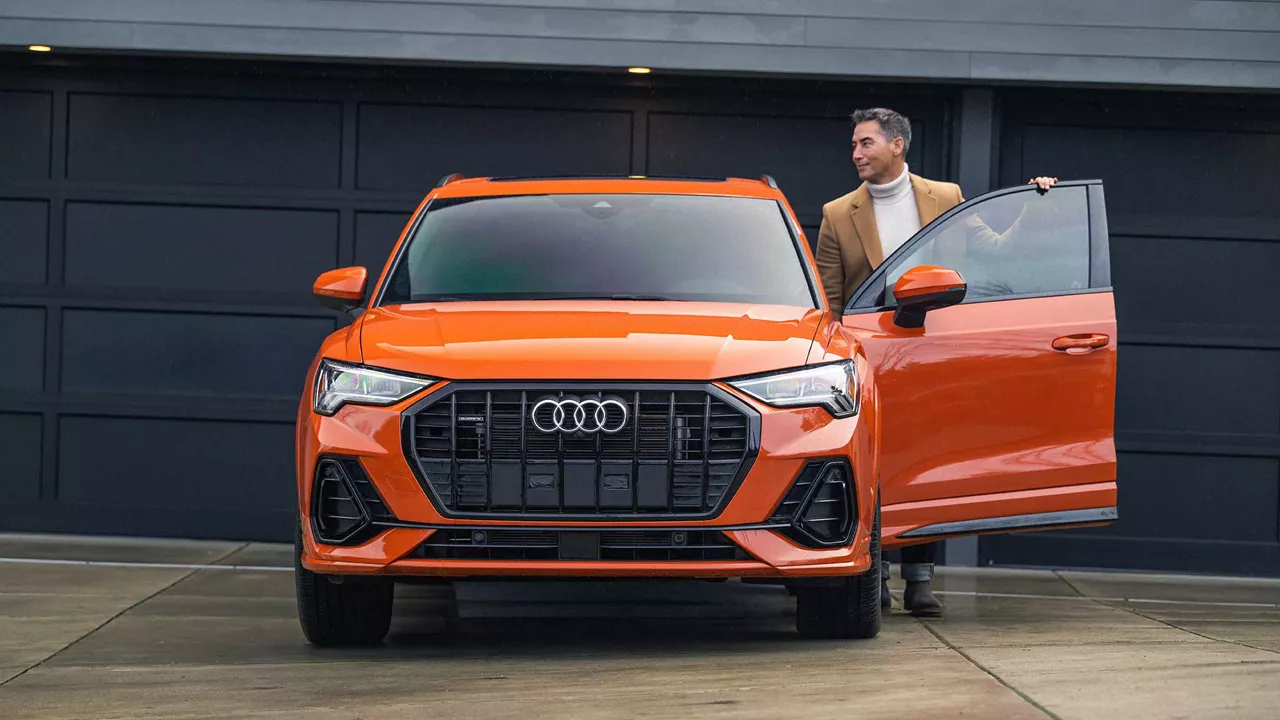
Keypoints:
pixel 678 452
pixel 606 545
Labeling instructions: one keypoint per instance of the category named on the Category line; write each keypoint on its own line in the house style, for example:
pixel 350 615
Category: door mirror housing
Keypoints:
pixel 341 289
pixel 925 288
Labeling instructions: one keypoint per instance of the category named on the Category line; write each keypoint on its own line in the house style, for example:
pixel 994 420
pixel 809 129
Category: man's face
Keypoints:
pixel 878 160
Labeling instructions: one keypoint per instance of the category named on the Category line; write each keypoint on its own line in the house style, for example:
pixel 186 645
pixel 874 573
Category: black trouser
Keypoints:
pixel 917 562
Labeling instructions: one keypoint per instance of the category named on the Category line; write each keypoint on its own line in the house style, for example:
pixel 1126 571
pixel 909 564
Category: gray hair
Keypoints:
pixel 892 124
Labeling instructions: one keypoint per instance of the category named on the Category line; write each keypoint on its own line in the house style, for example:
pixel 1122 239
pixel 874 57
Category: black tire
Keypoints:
pixel 355 612
pixel 850 609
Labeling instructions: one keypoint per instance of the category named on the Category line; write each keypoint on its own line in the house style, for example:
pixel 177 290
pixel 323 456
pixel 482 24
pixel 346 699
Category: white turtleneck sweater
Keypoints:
pixel 897 217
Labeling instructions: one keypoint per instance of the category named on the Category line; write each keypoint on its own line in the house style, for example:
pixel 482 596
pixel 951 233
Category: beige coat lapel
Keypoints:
pixel 864 223
pixel 927 204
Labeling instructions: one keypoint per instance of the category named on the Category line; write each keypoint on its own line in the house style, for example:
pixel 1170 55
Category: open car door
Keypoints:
pixel 992 336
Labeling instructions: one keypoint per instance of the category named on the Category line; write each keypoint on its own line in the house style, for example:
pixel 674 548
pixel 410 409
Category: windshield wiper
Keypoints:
pixel 518 297
pixel 615 296
pixel 625 296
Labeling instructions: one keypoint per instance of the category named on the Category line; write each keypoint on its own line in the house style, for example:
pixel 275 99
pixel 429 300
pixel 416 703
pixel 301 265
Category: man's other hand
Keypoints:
pixel 1044 183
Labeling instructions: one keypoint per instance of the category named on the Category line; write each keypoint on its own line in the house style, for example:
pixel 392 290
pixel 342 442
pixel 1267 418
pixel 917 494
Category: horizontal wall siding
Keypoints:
pixel 161 242
pixel 1220 43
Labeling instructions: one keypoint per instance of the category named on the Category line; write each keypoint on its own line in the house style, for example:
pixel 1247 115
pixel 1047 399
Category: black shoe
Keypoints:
pixel 919 600
pixel 886 600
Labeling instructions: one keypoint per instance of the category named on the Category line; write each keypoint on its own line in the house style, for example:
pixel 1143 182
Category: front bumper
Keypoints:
pixel 789 440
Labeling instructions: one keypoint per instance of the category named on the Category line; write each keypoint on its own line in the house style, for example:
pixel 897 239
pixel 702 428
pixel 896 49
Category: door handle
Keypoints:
pixel 1080 344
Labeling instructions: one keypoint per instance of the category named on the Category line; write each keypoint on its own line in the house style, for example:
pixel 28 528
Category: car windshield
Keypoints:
pixel 603 246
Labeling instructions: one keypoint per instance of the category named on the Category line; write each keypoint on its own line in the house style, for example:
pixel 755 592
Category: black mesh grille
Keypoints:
pixel 368 493
pixel 819 506
pixel 610 545
pixel 829 512
pixel 337 511
pixel 678 452
pixel 345 503
pixel 795 496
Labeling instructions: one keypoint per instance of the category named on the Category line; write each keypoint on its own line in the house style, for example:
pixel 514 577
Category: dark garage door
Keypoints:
pixel 1193 199
pixel 161 224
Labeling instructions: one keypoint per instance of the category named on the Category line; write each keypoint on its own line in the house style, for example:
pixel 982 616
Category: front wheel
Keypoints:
pixel 849 609
pixel 354 612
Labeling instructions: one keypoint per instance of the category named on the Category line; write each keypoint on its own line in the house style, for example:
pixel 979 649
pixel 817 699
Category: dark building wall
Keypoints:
pixel 161 223
pixel 1224 43
pixel 162 226
pixel 1194 215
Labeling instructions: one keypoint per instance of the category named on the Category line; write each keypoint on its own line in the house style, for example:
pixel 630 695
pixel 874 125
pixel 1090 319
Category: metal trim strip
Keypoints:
pixel 1010 522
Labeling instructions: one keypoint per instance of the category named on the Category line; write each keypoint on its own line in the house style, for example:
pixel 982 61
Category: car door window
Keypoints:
pixel 1012 245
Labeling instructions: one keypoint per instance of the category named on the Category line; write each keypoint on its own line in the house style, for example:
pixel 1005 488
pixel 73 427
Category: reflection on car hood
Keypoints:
pixel 578 339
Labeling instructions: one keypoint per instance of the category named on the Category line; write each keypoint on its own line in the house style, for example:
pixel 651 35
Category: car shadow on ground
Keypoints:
pixel 593 618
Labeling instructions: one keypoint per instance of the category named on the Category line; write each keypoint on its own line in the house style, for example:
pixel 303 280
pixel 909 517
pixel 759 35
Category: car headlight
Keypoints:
pixel 340 383
pixel 833 386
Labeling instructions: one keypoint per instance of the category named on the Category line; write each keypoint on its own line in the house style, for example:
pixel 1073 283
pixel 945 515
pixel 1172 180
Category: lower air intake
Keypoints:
pixel 345 503
pixel 820 505
pixel 607 545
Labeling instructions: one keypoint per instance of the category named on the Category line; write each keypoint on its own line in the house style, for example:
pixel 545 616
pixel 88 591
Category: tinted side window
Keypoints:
pixel 1022 243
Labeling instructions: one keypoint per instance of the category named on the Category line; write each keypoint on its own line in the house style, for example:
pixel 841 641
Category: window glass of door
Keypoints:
pixel 1012 245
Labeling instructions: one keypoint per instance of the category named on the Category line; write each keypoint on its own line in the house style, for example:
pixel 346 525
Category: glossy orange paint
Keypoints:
pixel 482 187
pixel 789 438
pixel 775 557
pixel 588 339
pixel 480 568
pixel 926 280
pixel 1081 343
pixel 985 411
pixel 347 284
pixel 900 518
pixel 979 403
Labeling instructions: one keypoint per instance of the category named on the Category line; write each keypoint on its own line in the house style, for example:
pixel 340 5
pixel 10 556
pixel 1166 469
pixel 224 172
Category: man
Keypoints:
pixel 858 232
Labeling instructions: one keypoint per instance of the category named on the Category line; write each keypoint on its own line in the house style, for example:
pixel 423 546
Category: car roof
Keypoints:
pixel 455 186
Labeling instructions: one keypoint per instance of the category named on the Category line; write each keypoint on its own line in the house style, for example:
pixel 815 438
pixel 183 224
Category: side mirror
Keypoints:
pixel 925 288
pixel 341 289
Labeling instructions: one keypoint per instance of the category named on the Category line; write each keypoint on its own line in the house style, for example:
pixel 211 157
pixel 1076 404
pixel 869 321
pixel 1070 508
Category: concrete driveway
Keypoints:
pixel 176 629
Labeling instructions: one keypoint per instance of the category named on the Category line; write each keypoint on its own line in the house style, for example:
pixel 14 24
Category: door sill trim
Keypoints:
pixel 1016 522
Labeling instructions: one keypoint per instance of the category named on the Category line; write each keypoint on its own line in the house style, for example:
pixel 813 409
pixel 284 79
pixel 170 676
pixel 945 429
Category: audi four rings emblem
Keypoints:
pixel 573 415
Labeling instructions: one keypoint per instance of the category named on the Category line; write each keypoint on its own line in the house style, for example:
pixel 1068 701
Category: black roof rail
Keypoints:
pixel 768 180
pixel 449 178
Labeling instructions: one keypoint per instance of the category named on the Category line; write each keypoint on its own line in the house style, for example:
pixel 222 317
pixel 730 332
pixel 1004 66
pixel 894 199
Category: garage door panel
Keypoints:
pixel 20 446
pixel 256 356
pixel 404 147
pixel 1198 390
pixel 26 130
pixel 1168 173
pixel 203 141
pixel 1225 288
pixel 24 239
pixel 1167 496
pixel 149 463
pixel 178 248
pixel 1195 238
pixel 22 360
pixel 376 235
pixel 800 153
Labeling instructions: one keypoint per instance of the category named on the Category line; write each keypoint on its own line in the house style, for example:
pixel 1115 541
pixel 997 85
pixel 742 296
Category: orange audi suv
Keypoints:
pixel 640 377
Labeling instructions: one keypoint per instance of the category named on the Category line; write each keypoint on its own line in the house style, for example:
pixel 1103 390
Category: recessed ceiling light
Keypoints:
pixel 39 48
pixel 639 70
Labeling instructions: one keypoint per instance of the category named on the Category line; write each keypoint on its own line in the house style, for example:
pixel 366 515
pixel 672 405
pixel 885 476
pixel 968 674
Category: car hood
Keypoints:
pixel 590 340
